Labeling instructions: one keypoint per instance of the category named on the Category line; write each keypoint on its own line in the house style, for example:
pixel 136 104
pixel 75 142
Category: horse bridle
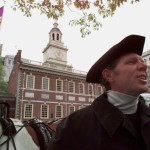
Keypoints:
pixel 42 130
pixel 8 130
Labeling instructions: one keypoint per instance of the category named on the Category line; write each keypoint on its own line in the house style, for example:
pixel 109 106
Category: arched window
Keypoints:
pixel 53 36
pixel 57 37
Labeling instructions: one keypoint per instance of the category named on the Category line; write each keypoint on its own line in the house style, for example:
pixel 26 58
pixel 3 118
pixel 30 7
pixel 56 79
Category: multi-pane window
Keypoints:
pixel 90 89
pixel 59 85
pixel 28 111
pixel 81 88
pixel 59 111
pixel 99 90
pixel 45 83
pixel 71 109
pixel 44 111
pixel 71 87
pixel 30 81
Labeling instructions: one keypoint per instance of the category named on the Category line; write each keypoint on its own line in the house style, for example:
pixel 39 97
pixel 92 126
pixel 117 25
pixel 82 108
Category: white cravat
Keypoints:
pixel 125 103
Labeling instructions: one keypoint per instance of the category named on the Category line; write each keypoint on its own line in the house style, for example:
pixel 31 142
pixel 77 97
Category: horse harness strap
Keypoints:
pixel 43 132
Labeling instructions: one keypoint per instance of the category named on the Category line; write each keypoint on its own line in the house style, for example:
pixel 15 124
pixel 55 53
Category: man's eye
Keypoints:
pixel 131 62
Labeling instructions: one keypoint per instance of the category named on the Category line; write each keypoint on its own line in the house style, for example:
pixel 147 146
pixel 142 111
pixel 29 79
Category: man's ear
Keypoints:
pixel 107 75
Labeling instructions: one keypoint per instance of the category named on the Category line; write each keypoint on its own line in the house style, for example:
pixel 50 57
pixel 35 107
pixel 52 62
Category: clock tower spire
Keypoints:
pixel 55 53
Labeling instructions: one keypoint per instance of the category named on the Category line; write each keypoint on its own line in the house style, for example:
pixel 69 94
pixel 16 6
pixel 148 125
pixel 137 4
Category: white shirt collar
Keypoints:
pixel 125 103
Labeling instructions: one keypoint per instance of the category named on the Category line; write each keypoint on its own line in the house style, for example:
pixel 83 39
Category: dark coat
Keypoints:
pixel 101 126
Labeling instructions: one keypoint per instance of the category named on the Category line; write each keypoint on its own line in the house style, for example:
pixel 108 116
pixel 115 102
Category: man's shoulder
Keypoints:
pixel 89 109
pixel 82 113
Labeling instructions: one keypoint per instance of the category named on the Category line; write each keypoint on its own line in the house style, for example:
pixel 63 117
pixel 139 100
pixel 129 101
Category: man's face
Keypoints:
pixel 129 76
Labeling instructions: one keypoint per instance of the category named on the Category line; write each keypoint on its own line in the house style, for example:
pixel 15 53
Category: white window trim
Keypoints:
pixel 73 86
pixel 33 81
pixel 83 88
pixel 31 112
pixel 47 112
pixel 61 111
pixel 42 83
pixel 61 85
pixel 101 90
pixel 92 89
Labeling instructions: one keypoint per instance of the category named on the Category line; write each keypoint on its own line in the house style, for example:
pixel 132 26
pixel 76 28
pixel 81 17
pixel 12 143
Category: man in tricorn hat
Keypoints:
pixel 117 119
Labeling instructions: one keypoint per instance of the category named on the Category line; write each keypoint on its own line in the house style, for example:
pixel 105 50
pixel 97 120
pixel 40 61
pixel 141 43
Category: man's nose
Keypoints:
pixel 142 65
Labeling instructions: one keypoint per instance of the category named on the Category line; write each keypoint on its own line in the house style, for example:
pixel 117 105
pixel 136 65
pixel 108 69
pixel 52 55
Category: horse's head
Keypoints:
pixel 31 134
pixel 14 135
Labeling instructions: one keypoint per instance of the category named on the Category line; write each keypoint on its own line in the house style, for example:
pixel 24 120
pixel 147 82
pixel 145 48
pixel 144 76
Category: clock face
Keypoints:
pixel 58 55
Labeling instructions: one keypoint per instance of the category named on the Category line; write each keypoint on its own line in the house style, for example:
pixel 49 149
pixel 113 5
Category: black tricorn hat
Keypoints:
pixel 130 44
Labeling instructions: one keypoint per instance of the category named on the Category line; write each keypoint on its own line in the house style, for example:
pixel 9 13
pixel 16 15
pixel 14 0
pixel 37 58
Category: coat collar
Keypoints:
pixel 107 114
pixel 144 112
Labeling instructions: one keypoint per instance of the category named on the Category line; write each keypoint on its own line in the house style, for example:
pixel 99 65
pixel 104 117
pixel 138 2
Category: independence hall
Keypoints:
pixel 50 89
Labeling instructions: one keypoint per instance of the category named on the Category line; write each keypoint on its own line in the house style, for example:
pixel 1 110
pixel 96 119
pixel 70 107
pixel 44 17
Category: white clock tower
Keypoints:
pixel 55 53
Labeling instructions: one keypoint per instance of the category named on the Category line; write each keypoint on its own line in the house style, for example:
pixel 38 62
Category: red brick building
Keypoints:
pixel 50 89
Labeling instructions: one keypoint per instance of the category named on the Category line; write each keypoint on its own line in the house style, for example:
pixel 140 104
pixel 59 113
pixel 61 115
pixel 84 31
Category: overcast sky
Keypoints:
pixel 31 34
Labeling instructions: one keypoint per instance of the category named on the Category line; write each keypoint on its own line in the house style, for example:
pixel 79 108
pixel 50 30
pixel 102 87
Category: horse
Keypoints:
pixel 32 134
